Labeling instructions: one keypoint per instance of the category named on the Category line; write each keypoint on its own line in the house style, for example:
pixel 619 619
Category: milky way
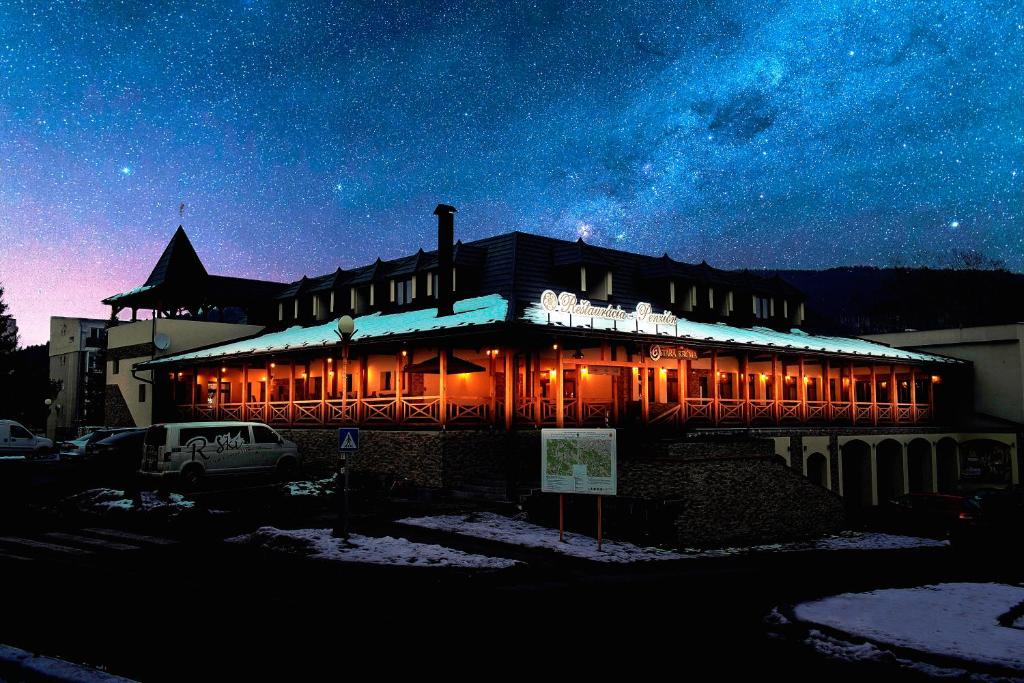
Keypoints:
pixel 301 137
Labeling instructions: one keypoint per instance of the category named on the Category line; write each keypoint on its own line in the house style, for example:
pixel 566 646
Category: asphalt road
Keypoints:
pixel 210 611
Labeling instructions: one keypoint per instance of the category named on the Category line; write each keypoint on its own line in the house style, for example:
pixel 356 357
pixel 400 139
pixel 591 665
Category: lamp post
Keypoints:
pixel 346 326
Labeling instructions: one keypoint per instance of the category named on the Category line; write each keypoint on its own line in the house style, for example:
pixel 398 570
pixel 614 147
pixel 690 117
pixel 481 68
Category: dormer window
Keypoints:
pixel 596 284
pixel 684 296
pixel 433 283
pixel 764 307
pixel 403 291
pixel 320 308
pixel 361 298
pixel 726 304
pixel 280 311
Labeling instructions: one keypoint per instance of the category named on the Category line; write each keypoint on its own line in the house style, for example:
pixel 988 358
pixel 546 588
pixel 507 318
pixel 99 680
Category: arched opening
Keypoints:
pixel 856 474
pixel 889 454
pixel 919 465
pixel 984 464
pixel 945 456
pixel 817 469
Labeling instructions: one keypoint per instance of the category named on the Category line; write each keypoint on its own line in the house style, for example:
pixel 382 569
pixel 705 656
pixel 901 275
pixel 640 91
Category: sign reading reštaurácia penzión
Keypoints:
pixel 578 461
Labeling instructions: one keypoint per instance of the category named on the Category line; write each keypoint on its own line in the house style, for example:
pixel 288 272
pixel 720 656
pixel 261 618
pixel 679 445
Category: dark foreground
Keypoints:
pixel 207 610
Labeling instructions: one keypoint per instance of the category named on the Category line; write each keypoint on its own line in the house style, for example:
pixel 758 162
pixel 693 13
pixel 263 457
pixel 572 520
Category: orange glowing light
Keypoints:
pixel 494 352
pixel 807 380
pixel 263 379
pixel 936 379
pixel 465 375
pixel 552 373
pixel 223 369
pixel 662 371
pixel 764 376
pixel 273 365
pixel 584 371
pixel 404 353
pixel 330 360
pixel 554 347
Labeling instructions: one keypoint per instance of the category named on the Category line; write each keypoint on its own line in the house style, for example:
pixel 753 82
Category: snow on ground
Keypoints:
pixel 957 620
pixel 309 489
pixel 494 527
pixel 320 544
pixel 517 532
pixel 848 540
pixel 113 500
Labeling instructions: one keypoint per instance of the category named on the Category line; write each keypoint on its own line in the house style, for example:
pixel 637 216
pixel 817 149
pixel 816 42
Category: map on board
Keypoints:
pixel 578 461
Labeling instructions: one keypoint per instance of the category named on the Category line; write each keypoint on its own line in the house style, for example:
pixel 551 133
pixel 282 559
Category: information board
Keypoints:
pixel 578 461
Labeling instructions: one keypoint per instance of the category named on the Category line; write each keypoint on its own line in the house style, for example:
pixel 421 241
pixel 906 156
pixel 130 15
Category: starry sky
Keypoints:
pixel 303 136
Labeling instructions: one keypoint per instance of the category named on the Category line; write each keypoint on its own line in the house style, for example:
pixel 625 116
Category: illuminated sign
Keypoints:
pixel 567 302
pixel 658 352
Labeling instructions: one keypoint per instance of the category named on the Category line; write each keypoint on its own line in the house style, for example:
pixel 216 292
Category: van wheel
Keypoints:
pixel 192 477
pixel 287 469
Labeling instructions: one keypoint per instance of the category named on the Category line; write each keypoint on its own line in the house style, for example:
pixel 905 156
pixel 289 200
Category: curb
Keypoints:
pixel 20 665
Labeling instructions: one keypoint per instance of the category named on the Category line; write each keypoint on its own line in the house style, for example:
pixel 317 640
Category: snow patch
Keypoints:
pixel 958 620
pixel 309 489
pixel 385 550
pixel 494 527
pixel 103 500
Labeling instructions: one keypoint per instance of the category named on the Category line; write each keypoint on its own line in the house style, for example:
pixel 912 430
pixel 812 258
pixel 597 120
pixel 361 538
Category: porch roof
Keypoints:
pixel 483 310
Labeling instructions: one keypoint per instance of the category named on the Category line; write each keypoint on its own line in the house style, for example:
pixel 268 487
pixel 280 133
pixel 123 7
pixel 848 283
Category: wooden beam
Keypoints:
pixel 399 412
pixel 510 377
pixel 913 393
pixel 776 388
pixel 442 385
pixel 744 392
pixel 714 385
pixel 874 395
pixel 560 393
pixel 492 387
pixel 682 372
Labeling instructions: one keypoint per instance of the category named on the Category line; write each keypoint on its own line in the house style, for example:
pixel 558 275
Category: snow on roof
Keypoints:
pixel 764 337
pixel 481 310
pixel 130 292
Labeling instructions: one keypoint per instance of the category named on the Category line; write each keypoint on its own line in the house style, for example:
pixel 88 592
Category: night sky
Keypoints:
pixel 302 136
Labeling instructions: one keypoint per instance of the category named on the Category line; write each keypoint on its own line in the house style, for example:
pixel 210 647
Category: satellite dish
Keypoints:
pixel 162 341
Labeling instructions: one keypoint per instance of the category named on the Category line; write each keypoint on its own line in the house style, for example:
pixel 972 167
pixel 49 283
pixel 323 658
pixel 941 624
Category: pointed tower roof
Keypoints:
pixel 178 263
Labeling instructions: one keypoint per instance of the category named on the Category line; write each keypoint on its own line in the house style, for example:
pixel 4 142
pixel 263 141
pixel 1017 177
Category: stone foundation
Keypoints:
pixel 732 494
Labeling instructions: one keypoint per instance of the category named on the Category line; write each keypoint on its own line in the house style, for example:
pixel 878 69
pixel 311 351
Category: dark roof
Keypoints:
pixel 178 263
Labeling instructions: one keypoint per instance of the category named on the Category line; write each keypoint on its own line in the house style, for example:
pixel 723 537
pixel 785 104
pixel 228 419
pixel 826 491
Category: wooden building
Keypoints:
pixel 525 330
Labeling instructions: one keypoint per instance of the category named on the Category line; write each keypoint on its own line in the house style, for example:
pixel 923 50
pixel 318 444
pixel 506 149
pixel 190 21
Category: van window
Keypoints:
pixel 263 434
pixel 19 432
pixel 156 436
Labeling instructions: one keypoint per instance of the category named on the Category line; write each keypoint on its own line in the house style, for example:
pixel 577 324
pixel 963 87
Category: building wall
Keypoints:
pixel 73 349
pixel 997 352
pixel 132 343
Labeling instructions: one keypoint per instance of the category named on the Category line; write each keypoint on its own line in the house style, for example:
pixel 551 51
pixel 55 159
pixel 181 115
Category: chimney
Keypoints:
pixel 445 261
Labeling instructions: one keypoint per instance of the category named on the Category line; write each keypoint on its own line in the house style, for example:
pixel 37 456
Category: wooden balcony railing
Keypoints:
pixel 427 411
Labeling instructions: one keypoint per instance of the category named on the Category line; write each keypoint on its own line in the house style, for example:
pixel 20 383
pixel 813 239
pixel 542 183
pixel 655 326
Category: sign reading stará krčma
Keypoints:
pixel 578 461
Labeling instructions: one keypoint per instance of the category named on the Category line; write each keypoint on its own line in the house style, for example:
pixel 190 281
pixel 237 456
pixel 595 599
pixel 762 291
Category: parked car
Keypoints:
pixel 77 447
pixel 937 515
pixel 193 450
pixel 15 440
pixel 116 457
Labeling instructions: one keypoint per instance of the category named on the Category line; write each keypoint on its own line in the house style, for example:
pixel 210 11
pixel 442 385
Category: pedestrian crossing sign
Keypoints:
pixel 348 439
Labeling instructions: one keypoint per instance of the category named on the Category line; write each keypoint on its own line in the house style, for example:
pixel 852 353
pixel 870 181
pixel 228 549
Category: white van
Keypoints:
pixel 16 440
pixel 192 450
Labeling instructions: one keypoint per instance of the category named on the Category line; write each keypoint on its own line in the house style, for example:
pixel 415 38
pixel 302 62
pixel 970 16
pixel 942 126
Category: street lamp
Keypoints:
pixel 346 326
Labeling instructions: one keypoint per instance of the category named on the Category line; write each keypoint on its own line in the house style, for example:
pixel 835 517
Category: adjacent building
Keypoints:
pixel 76 352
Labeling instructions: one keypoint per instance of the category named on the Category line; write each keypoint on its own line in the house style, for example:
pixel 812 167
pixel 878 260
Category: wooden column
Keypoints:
pixel 492 388
pixel 826 387
pixel 852 395
pixel 245 391
pixel 894 395
pixel 560 393
pixel 267 398
pixel 195 389
pixel 744 392
pixel 874 398
pixel 537 416
pixel 682 372
pixel 358 382
pixel 714 385
pixel 399 411
pixel 913 393
pixel 776 387
pixel 442 385
pixel 217 400
pixel 291 390
pixel 579 395
pixel 801 387
pixel 510 376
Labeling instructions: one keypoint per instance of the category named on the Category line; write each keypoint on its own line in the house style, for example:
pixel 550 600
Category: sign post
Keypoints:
pixel 579 461
pixel 348 444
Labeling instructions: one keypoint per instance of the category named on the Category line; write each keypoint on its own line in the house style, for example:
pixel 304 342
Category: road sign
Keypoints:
pixel 348 439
